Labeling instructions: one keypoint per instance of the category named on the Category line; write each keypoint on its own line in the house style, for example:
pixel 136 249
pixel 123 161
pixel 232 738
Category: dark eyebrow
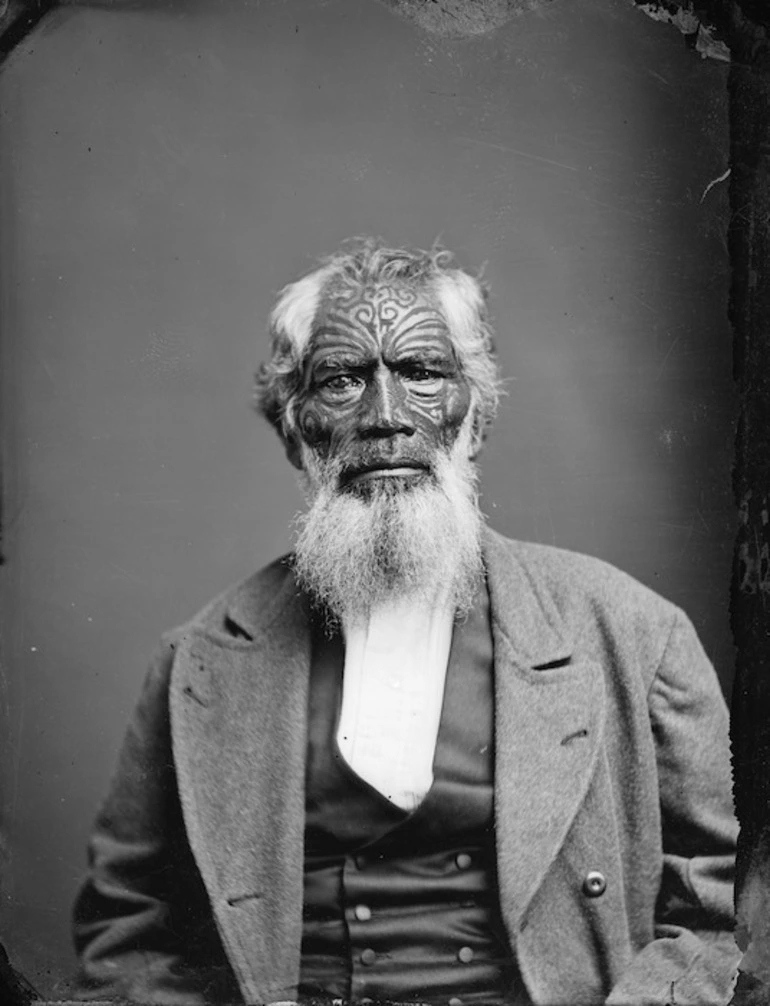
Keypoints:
pixel 335 363
pixel 417 360
pixel 340 360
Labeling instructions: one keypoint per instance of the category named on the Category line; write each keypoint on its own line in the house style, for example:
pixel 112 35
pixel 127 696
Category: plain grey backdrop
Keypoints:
pixel 166 170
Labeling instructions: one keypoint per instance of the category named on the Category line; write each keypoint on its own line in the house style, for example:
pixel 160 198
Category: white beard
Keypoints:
pixel 397 540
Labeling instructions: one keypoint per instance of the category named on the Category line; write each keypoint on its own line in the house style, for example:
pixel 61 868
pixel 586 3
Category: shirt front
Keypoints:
pixel 393 689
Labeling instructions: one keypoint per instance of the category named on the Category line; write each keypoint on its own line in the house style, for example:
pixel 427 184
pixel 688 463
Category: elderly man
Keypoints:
pixel 414 761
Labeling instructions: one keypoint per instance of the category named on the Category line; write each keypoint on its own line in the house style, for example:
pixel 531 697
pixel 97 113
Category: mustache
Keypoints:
pixel 383 456
pixel 353 472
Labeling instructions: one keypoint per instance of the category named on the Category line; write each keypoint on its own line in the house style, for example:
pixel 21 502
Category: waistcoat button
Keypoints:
pixel 363 913
pixel 595 884
pixel 465 954
pixel 368 956
pixel 463 861
pixel 455 1001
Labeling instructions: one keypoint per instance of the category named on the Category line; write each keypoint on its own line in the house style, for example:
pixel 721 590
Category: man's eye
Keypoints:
pixel 341 382
pixel 422 374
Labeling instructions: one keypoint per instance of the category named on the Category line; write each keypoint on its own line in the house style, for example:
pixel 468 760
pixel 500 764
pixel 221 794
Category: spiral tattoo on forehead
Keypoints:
pixel 378 308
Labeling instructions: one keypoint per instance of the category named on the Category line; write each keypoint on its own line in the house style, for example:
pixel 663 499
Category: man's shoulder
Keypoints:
pixel 562 567
pixel 245 606
pixel 583 588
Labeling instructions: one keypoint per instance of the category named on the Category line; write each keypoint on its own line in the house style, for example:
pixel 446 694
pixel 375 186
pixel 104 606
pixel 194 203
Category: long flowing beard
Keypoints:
pixel 397 538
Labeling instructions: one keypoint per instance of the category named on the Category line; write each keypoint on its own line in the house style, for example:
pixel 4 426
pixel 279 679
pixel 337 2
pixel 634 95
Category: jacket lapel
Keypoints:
pixel 238 707
pixel 549 724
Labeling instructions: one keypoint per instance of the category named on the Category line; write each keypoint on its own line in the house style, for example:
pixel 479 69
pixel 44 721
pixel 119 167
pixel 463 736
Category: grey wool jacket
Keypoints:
pixel 611 756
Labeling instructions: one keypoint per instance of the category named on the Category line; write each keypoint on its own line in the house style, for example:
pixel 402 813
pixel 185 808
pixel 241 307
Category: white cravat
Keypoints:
pixel 392 693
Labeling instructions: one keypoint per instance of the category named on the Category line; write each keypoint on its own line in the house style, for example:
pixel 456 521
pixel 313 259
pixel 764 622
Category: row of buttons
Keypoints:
pixel 368 957
pixel 363 913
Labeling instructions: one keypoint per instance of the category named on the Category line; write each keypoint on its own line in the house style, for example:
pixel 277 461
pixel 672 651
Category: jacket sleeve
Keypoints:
pixel 142 924
pixel 694 958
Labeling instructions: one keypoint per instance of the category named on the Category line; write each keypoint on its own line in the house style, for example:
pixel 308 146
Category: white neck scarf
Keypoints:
pixel 392 694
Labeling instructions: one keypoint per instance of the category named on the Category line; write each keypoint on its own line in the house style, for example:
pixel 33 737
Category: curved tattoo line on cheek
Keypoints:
pixel 446 409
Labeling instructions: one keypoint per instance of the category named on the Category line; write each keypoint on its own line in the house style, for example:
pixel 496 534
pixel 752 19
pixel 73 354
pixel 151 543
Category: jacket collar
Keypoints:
pixel 522 608
pixel 265 598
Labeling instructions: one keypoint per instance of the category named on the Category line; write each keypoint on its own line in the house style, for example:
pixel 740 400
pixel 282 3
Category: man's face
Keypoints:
pixel 383 391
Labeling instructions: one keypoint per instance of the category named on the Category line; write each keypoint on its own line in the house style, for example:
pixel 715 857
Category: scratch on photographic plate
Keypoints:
pixel 721 178
pixel 519 153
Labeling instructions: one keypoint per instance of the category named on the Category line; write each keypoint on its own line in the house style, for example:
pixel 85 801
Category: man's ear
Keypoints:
pixel 293 451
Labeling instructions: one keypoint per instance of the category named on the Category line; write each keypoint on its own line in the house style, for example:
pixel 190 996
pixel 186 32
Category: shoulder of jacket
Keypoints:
pixel 254 593
pixel 583 586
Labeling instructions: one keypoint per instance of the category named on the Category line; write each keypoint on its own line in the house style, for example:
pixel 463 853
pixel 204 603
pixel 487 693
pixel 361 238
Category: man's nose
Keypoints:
pixel 384 412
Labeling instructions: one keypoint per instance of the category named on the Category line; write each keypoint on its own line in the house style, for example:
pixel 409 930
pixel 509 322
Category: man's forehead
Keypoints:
pixel 379 309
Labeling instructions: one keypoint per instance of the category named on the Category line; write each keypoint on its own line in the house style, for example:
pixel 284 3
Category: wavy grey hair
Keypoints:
pixel 460 296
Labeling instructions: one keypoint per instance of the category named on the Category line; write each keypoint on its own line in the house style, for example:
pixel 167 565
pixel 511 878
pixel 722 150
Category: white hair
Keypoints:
pixel 295 310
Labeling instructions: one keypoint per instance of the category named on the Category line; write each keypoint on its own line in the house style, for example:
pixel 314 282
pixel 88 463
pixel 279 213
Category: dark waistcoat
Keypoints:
pixel 403 906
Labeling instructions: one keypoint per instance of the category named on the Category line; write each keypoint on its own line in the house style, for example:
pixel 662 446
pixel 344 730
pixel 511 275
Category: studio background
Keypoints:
pixel 166 170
